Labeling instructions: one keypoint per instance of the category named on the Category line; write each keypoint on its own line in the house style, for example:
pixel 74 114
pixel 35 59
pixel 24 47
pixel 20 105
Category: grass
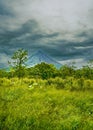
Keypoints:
pixel 43 107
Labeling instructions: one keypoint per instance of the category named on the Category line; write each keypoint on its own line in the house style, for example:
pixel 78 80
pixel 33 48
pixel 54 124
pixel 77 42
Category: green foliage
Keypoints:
pixel 18 62
pixel 3 73
pixel 66 71
pixel 85 72
pixel 46 107
pixel 45 98
pixel 20 56
pixel 43 70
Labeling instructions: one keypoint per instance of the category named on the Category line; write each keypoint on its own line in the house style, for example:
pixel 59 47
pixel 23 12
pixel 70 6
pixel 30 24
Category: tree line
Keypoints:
pixel 18 68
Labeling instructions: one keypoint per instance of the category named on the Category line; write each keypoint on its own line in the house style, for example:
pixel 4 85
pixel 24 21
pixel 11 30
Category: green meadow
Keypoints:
pixel 52 104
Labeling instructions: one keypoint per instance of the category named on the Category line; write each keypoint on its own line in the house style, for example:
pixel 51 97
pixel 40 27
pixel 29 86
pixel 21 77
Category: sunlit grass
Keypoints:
pixel 44 107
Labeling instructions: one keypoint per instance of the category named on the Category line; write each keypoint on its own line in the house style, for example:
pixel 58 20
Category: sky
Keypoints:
pixel 61 28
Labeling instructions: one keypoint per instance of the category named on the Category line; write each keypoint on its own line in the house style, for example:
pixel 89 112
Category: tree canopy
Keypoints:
pixel 18 61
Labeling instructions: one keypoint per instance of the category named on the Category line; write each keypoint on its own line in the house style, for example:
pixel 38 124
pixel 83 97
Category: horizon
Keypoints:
pixel 39 56
pixel 63 29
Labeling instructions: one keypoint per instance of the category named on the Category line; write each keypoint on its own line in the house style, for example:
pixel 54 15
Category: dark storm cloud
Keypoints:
pixel 70 50
pixel 63 30
pixel 27 33
pixel 82 34
pixel 30 36
pixel 4 10
pixel 65 50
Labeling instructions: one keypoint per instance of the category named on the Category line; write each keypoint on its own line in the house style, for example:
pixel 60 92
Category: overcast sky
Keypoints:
pixel 61 28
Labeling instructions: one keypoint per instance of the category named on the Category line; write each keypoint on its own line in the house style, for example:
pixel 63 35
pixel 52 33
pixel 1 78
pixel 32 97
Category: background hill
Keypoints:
pixel 40 56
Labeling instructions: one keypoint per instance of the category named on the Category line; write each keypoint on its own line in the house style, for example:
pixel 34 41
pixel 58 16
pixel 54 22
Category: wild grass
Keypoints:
pixel 53 104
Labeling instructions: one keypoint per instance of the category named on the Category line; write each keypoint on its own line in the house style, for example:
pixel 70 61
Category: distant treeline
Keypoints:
pixel 46 71
pixel 43 70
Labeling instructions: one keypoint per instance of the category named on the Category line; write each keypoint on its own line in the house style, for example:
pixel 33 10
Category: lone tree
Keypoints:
pixel 18 62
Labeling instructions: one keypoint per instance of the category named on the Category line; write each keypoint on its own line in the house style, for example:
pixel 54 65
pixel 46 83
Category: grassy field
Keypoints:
pixel 28 104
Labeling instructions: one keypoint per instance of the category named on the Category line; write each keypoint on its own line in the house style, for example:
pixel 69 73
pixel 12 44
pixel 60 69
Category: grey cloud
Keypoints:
pixel 4 10
pixel 31 28
pixel 30 31
pixel 9 35
pixel 27 36
pixel 82 34
pixel 61 49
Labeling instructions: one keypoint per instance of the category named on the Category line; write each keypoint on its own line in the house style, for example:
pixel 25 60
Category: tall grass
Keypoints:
pixel 53 104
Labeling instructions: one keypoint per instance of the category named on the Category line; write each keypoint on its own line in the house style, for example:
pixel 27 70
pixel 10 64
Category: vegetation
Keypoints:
pixel 43 70
pixel 18 62
pixel 44 97
pixel 19 69
pixel 54 104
